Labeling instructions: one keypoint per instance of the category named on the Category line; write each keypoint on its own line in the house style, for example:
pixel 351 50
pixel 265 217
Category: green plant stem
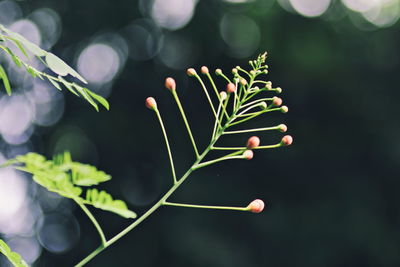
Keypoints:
pixel 178 102
pixel 167 144
pixel 243 148
pixel 252 130
pixel 154 207
pixel 205 206
pixel 206 93
pixel 94 221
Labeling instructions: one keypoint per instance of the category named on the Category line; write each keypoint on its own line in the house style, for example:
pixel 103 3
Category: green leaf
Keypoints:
pixel 13 257
pixel 104 201
pixel 6 82
pixel 99 99
pixel 57 65
pixel 66 178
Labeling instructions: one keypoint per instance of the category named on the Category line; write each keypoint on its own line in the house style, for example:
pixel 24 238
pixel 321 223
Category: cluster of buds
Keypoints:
pixel 240 93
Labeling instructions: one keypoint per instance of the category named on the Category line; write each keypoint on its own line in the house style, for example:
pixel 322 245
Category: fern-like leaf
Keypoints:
pixel 12 256
pixel 66 178
pixel 104 201
pixel 51 61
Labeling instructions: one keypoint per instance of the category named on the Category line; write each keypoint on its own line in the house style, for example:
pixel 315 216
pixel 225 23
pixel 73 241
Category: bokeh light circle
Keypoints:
pixel 310 8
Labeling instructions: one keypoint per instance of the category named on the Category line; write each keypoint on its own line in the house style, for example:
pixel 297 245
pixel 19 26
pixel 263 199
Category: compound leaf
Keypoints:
pixel 12 256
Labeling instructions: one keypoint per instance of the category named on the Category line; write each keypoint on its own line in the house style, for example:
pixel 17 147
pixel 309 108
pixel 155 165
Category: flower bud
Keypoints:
pixel 170 84
pixel 268 85
pixel 265 71
pixel 252 72
pixel 204 70
pixel 278 90
pixel 263 105
pixel 151 103
pixel 287 140
pixel 284 109
pixel 253 142
pixel 276 101
pixel 256 206
pixel 248 154
pixel 234 71
pixel 282 128
pixel 223 95
pixel 243 82
pixel 230 88
pixel 218 71
pixel 191 72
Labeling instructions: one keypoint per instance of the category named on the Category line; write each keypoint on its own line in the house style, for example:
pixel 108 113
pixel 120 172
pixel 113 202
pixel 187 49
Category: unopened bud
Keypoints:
pixel 263 105
pixel 191 72
pixel 276 101
pixel 282 128
pixel 278 90
pixel 234 71
pixel 268 85
pixel 256 206
pixel 265 71
pixel 248 154
pixel 151 103
pixel 230 88
pixel 284 109
pixel 252 72
pixel 223 95
pixel 218 71
pixel 204 70
pixel 243 81
pixel 253 142
pixel 287 140
pixel 170 84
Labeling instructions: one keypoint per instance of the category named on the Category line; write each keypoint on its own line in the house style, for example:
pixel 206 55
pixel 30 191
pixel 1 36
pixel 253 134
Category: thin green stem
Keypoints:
pixel 255 101
pixel 226 157
pixel 226 78
pixel 178 102
pixel 243 148
pixel 206 92
pixel 90 256
pixel 167 144
pixel 94 221
pixel 252 130
pixel 205 206
pixel 253 116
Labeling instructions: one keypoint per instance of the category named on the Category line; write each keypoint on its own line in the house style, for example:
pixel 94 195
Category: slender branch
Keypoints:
pixel 252 130
pixel 167 144
pixel 206 92
pixel 205 206
pixel 178 102
pixel 94 221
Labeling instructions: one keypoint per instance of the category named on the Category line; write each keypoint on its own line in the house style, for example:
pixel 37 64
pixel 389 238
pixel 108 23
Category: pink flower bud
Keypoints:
pixel 276 101
pixel 282 128
pixel 223 95
pixel 284 109
pixel 243 82
pixel 287 140
pixel 230 88
pixel 256 206
pixel 253 142
pixel 248 154
pixel 170 84
pixel 204 70
pixel 191 72
pixel 218 71
pixel 151 103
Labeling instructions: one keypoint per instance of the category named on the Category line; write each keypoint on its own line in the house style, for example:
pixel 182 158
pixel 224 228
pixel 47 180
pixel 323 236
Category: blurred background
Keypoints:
pixel 332 197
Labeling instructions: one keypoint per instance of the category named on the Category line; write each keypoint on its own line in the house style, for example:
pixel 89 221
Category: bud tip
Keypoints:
pixel 253 142
pixel 287 140
pixel 256 206
pixel 191 72
pixel 230 88
pixel 151 103
pixel 204 70
pixel 170 83
pixel 248 154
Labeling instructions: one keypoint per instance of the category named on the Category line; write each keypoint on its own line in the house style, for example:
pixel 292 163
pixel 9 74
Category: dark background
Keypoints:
pixel 331 198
